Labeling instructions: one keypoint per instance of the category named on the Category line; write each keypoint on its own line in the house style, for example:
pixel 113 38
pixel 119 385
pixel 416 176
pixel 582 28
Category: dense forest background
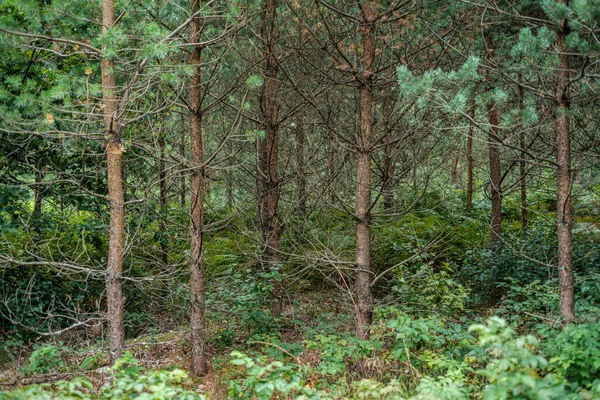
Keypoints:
pixel 300 199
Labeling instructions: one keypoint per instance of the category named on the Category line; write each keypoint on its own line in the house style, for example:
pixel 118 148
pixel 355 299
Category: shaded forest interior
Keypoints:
pixel 323 199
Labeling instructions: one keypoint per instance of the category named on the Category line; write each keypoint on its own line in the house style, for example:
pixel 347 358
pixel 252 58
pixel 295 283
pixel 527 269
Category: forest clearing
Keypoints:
pixel 300 199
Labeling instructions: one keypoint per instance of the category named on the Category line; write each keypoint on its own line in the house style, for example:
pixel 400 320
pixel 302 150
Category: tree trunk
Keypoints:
pixel 261 189
pixel 114 152
pixel 37 205
pixel 164 249
pixel 454 169
pixel 301 165
pixel 199 360
pixel 495 175
pixel 364 297
pixel 270 120
pixel 207 185
pixel 470 158
pixel 522 173
pixel 495 168
pixel 563 159
pixel 389 162
pixel 496 191
pixel 331 169
pixel 183 193
pixel 230 178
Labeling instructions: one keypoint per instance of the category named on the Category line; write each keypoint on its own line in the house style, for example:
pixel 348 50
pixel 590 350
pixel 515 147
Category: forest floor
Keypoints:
pixel 170 349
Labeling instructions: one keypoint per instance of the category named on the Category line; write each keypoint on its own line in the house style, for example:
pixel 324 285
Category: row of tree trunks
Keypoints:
pixel 268 172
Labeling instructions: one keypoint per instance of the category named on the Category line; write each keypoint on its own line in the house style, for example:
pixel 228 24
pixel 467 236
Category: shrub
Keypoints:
pixel 128 382
pixel 515 369
pixel 262 379
pixel 44 359
pixel 575 354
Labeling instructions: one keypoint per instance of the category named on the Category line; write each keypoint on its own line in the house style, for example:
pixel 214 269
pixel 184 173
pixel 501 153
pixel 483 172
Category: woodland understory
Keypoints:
pixel 300 199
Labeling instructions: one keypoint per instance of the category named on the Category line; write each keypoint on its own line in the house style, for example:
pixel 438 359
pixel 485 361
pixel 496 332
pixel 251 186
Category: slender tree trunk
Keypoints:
pixel 207 185
pixel 364 297
pixel 495 168
pixel 495 175
pixel 114 152
pixel 390 170
pixel 183 193
pixel 522 173
pixel 470 158
pixel 454 169
pixel 563 159
pixel 389 162
pixel 163 199
pixel 301 165
pixel 261 189
pixel 199 359
pixel 37 205
pixel 496 190
pixel 331 169
pixel 273 225
pixel 229 178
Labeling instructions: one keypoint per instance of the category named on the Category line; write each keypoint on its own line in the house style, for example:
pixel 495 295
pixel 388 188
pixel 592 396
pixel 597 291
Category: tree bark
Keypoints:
pixel 261 189
pixel 495 175
pixel 496 191
pixel 389 162
pixel 470 158
pixel 364 297
pixel 182 193
pixel 454 168
pixel 522 169
pixel 563 159
pixel 114 152
pixel 331 169
pixel 271 123
pixel 230 178
pixel 37 205
pixel 199 365
pixel 164 249
pixel 301 165
pixel 495 167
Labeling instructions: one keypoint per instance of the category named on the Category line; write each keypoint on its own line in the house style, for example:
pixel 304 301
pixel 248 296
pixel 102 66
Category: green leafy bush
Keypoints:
pixel 91 362
pixel 449 387
pixel 515 369
pixel 44 359
pixel 263 378
pixel 432 289
pixel 575 354
pixel 372 389
pixel 128 383
pixel 338 352
pixel 524 305
pixel 77 388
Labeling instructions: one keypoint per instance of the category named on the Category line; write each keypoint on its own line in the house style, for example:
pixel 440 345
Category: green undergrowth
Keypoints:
pixel 406 357
pixel 127 381
pixel 427 358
